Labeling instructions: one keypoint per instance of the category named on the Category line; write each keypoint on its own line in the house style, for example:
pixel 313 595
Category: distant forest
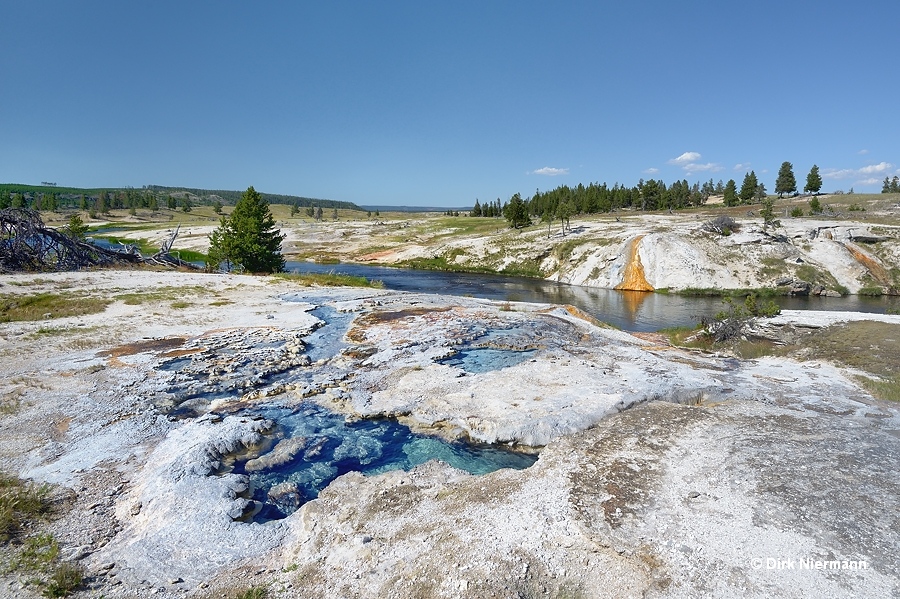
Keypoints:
pixel 595 197
pixel 53 197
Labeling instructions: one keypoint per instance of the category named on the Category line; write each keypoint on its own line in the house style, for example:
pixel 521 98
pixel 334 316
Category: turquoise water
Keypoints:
pixel 486 359
pixel 318 445
pixel 332 446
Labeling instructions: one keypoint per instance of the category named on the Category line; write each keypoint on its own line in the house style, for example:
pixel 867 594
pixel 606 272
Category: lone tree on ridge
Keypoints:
pixel 248 237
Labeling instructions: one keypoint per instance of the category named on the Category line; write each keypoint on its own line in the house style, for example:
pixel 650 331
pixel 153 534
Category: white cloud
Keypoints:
pixel 833 173
pixel 870 181
pixel 711 167
pixel 651 171
pixel 686 158
pixel 881 167
pixel 688 162
pixel 850 173
pixel 863 152
pixel 741 166
pixel 550 171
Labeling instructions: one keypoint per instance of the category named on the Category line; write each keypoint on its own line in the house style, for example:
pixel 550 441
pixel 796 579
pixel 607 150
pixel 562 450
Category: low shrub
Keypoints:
pixel 47 305
pixel 723 225
pixel 253 593
pixel 65 578
pixel 20 502
pixel 871 291
pixel 731 323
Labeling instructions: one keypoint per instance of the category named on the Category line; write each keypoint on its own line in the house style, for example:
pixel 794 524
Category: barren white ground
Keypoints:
pixel 664 473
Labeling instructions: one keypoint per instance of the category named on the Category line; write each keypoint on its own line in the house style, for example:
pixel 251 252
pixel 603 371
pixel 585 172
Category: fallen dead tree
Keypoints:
pixel 27 244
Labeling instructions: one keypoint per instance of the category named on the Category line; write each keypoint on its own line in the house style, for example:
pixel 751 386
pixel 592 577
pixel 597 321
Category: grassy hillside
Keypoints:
pixel 68 195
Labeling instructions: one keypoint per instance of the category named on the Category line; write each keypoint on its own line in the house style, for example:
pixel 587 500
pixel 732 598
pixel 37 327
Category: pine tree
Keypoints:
pixel 516 212
pixel 248 237
pixel 101 206
pixel 730 193
pixel 748 187
pixel 76 229
pixel 813 181
pixel 786 182
pixel 815 206
pixel 768 213
pixel 476 210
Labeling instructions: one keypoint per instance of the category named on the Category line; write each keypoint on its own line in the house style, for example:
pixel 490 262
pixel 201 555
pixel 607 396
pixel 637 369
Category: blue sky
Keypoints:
pixel 438 103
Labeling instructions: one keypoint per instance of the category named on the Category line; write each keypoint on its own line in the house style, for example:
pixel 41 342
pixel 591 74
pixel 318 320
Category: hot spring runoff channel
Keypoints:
pixel 314 445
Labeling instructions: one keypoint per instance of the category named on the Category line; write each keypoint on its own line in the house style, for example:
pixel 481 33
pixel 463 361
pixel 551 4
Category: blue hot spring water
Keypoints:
pixel 485 359
pixel 490 352
pixel 333 446
pixel 324 445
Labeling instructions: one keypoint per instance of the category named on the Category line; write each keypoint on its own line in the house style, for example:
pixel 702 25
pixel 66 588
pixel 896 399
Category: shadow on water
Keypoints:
pixel 627 310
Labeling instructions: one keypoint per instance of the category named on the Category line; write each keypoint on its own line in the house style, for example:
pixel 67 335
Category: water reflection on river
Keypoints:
pixel 628 310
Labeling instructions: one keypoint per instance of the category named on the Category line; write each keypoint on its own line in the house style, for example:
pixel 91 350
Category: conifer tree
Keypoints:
pixel 748 187
pixel 786 182
pixel 730 193
pixel 248 237
pixel 813 181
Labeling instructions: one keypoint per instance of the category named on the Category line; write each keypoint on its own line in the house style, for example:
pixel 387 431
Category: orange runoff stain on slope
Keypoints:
pixel 878 271
pixel 634 271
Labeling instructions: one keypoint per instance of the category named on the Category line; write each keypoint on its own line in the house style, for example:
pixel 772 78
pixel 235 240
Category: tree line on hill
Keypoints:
pixel 151 197
pixel 231 197
pixel 564 202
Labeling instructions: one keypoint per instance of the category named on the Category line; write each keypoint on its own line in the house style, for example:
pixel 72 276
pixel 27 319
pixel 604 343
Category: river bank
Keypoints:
pixel 853 250
pixel 659 468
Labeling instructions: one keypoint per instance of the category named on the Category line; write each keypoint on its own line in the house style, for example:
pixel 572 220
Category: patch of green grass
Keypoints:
pixel 181 304
pixel 871 291
pixel 30 282
pixel 143 246
pixel 330 279
pixel 760 292
pixel 692 337
pixel 190 255
pixel 64 580
pixel 20 503
pixel 161 294
pixel 441 263
pixel 253 593
pixel 48 305
pixel 526 268
pixel 867 346
pixel 883 388
pixel 11 402
pixel 813 275
pixel 563 251
pixel 38 554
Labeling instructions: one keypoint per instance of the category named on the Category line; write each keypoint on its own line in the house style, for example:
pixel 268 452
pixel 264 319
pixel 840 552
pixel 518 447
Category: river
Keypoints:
pixel 627 310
